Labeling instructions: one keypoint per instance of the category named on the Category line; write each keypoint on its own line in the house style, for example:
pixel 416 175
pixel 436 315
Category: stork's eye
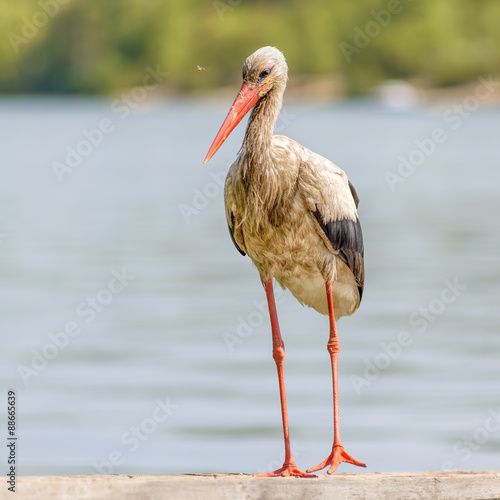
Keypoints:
pixel 265 73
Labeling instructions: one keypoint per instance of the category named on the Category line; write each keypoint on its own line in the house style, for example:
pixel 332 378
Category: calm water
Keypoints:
pixel 168 369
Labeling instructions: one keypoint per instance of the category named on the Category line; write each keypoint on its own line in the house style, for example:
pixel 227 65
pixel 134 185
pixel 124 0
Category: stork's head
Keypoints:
pixel 263 71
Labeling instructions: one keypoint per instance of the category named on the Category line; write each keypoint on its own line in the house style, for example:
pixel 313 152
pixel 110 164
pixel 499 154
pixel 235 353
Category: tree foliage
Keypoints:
pixel 95 46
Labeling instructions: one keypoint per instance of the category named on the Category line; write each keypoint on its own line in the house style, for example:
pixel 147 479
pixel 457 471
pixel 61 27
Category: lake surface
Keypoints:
pixel 137 338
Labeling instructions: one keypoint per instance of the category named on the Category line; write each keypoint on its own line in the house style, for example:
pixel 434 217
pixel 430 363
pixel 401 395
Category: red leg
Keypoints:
pixel 338 453
pixel 289 467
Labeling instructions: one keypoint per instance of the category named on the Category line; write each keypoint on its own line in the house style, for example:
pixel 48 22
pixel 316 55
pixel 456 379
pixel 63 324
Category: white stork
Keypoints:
pixel 293 212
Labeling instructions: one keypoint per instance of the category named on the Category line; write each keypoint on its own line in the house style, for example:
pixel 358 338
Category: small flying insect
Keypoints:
pixel 201 69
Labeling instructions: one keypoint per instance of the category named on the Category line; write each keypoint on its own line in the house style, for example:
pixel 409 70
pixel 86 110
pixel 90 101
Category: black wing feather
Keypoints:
pixel 354 194
pixel 346 238
pixel 230 227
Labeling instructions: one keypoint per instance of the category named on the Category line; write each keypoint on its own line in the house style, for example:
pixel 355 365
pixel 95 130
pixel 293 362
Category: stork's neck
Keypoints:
pixel 260 128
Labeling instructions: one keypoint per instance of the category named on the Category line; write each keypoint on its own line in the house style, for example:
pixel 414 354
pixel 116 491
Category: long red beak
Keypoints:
pixel 243 103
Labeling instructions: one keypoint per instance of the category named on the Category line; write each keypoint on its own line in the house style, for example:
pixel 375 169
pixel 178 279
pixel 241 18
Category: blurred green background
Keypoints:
pixel 97 47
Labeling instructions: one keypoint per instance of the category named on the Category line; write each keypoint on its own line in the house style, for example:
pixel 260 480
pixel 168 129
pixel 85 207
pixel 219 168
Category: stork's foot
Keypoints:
pixel 337 456
pixel 285 471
